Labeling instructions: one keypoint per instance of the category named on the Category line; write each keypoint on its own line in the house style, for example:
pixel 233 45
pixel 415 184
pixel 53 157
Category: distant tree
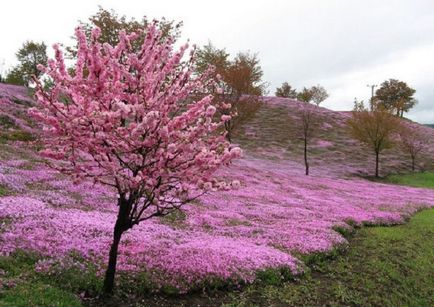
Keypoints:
pixel 396 96
pixel 131 125
pixel 319 94
pixel 111 23
pixel 305 95
pixel 373 128
pixel 30 55
pixel 232 79
pixel 15 76
pixel 208 56
pixel 412 142
pixel 286 91
pixel 315 94
pixel 244 75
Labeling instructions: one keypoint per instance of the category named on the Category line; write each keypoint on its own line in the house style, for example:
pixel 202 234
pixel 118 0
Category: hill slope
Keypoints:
pixel 277 213
pixel 273 134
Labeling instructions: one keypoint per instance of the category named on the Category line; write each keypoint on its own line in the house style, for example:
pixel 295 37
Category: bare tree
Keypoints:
pixel 412 143
pixel 308 125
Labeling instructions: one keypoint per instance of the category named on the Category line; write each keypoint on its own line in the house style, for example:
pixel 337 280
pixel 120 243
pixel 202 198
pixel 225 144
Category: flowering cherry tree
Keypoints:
pixel 126 119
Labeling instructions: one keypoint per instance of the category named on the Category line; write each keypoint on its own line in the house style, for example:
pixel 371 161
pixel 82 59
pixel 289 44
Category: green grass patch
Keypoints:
pixel 4 191
pixel 38 294
pixel 175 219
pixel 383 266
pixel 6 122
pixel 422 180
pixel 16 135
pixel 20 285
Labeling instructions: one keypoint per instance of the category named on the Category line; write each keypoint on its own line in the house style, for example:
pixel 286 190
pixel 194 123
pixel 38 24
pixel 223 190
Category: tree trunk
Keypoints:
pixel 228 131
pixel 122 224
pixel 109 279
pixel 413 164
pixel 376 164
pixel 306 163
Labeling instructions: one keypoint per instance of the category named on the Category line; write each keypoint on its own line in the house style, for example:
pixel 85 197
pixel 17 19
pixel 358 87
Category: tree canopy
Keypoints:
pixel 396 96
pixel 30 55
pixel 129 123
pixel 110 23
pixel 286 90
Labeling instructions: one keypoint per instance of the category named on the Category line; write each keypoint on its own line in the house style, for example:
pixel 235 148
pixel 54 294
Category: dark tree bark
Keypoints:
pixel 377 154
pixel 122 224
pixel 413 158
pixel 306 163
pixel 228 128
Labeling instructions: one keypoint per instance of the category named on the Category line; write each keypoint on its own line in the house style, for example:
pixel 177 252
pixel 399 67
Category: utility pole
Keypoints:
pixel 372 86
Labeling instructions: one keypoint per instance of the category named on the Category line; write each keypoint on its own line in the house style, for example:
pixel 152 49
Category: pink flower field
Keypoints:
pixel 275 215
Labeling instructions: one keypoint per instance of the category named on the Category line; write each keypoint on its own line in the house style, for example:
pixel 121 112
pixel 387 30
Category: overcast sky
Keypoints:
pixel 341 44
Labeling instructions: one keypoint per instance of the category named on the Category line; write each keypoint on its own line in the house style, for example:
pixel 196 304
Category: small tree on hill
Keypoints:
pixel 315 94
pixel 412 142
pixel 374 129
pixel 286 91
pixel 305 95
pixel 396 96
pixel 319 94
pixel 126 119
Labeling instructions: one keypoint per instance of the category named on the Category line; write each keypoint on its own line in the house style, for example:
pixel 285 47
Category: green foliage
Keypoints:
pixel 273 276
pixel 15 77
pixel 210 55
pixel 38 294
pixel 305 95
pixel 422 180
pixel 30 55
pixel 315 94
pixel 395 96
pixel 286 91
